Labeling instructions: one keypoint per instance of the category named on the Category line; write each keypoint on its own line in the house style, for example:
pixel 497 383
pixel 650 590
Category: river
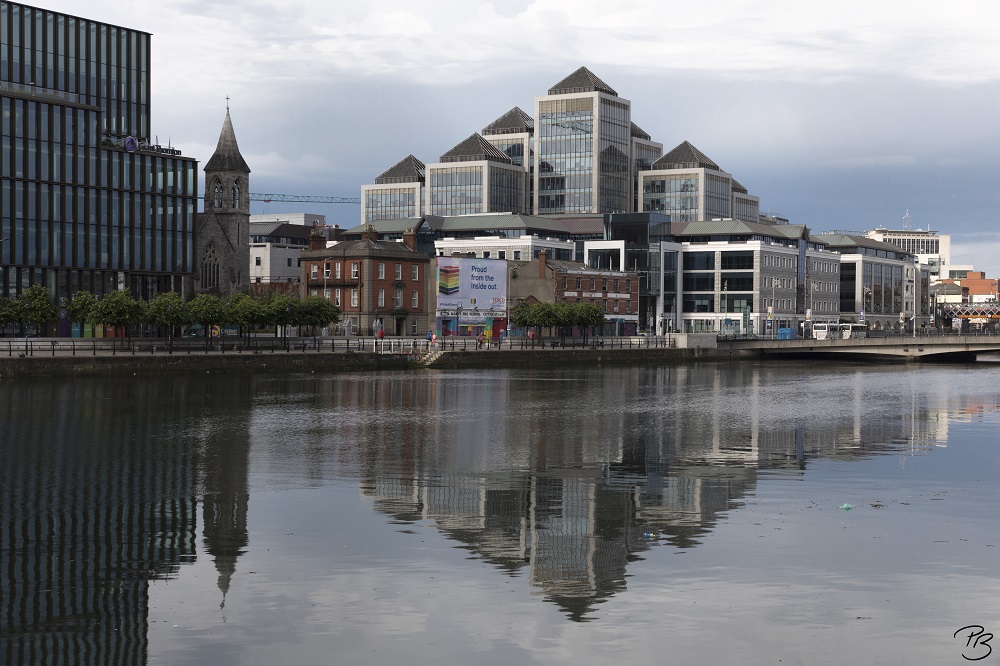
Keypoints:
pixel 726 513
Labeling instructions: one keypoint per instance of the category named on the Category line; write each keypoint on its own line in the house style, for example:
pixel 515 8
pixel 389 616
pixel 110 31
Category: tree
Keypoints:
pixel 246 311
pixel 35 306
pixel 318 312
pixel 80 308
pixel 281 310
pixel 208 310
pixel 588 315
pixel 168 309
pixel 118 309
pixel 9 312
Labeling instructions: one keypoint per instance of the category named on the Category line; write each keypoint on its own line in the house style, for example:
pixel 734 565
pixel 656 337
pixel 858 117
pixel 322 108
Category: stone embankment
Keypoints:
pixel 50 358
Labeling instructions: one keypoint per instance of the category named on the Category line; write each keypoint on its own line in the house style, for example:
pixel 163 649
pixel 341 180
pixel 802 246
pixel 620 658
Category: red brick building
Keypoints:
pixel 554 281
pixel 376 284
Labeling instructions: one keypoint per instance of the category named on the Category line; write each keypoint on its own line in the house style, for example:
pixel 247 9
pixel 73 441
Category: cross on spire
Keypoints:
pixel 227 103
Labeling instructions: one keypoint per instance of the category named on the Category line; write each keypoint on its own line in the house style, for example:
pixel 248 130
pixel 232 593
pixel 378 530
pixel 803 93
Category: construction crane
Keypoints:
pixel 268 198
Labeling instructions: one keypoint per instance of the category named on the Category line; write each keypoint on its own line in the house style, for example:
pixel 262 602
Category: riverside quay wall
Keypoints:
pixel 46 360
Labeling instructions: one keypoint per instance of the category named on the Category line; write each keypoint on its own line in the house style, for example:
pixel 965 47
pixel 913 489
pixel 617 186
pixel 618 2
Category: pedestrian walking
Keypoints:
pixel 479 341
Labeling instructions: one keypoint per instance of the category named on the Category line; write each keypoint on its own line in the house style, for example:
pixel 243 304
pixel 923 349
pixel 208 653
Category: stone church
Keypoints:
pixel 222 231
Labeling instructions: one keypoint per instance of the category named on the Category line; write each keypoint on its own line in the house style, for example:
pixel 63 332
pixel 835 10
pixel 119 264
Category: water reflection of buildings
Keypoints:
pixel 102 500
pixel 572 512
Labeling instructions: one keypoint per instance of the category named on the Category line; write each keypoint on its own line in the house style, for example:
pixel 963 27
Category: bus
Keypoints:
pixel 848 331
pixel 823 330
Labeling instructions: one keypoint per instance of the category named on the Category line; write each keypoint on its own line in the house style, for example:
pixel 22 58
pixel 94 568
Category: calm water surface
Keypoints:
pixel 586 516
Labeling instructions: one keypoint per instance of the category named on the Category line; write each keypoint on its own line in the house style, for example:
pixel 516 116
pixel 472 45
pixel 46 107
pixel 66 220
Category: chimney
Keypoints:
pixel 370 234
pixel 410 239
pixel 542 258
pixel 317 239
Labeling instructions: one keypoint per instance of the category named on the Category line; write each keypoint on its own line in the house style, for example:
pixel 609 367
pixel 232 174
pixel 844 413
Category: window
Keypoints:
pixel 289 260
pixel 593 283
pixel 354 298
pixel 616 285
pixel 579 282
pixel 256 261
pixel 336 297
pixel 414 272
pixel 413 328
pixel 605 305
pixel 415 299
pixel 399 271
pixel 326 269
pixel 355 269
pixel 616 305
pixel 517 255
pixel 218 195
pixel 381 271
pixel 314 271
pixel 326 294
pixel 381 298
pixel 502 254
pixel 336 270
pixel 397 297
pixel 565 281
pixel 628 285
pixel 628 306
pixel 604 284
pixel 236 195
pixel 486 254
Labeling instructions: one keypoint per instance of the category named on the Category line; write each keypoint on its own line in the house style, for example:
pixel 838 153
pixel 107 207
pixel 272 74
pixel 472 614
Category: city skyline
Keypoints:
pixel 836 117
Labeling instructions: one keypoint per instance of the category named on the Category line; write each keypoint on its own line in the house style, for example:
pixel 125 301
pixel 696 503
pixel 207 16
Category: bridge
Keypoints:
pixel 922 347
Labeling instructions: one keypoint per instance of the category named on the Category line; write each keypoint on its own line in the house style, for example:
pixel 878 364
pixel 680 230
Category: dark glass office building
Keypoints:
pixel 88 198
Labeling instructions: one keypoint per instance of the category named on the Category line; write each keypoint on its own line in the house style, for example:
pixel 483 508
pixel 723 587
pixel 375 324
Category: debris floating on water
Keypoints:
pixel 846 507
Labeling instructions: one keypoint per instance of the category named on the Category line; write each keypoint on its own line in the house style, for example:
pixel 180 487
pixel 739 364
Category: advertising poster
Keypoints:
pixel 471 289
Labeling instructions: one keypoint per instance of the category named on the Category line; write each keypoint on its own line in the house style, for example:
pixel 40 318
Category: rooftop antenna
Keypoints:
pixel 906 220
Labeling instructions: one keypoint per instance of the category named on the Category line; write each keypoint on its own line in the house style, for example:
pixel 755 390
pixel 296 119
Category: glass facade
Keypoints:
pixel 86 202
pixel 583 155
pixel 565 155
pixel 456 190
pixel 391 203
pixel 676 195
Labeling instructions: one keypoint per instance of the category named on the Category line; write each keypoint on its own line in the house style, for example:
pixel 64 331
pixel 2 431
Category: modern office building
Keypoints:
pixel 475 177
pixel 89 200
pixel 880 284
pixel 398 192
pixel 931 248
pixel 689 187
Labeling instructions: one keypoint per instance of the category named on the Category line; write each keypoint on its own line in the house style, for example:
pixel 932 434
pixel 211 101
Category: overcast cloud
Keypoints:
pixel 837 115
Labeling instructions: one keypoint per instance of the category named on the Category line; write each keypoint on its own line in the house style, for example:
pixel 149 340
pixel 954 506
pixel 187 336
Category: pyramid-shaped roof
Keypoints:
pixel 639 133
pixel 407 170
pixel 514 121
pixel 582 80
pixel 475 149
pixel 227 154
pixel 685 156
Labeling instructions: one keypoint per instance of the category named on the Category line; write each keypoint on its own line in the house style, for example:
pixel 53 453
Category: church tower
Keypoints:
pixel 222 231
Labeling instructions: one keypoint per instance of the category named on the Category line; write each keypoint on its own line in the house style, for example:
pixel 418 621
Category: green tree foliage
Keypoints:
pixel 80 308
pixel 246 311
pixel 168 309
pixel 318 312
pixel 35 306
pixel 9 311
pixel 119 309
pixel 208 310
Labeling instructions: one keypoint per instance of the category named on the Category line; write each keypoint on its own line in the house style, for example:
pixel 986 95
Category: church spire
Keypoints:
pixel 227 155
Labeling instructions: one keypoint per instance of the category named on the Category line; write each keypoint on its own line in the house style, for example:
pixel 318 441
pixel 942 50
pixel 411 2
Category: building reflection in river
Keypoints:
pixel 566 477
pixel 99 486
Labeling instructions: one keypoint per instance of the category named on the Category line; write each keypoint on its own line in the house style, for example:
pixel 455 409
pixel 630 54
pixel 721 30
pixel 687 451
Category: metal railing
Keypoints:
pixel 30 347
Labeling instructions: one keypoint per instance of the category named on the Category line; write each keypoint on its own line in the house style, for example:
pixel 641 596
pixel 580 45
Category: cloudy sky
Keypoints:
pixel 837 115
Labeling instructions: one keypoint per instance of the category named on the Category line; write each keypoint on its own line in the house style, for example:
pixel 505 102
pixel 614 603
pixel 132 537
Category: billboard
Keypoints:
pixel 469 288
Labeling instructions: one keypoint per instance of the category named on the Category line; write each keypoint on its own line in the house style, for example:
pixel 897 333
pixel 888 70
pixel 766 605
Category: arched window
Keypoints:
pixel 217 200
pixel 236 195
pixel 210 268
